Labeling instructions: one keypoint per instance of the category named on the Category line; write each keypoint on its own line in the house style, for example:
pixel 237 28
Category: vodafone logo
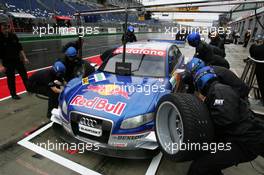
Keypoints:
pixel 142 51
pixel 99 104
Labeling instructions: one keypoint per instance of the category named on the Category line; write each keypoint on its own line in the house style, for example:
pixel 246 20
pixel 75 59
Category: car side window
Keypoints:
pixel 174 55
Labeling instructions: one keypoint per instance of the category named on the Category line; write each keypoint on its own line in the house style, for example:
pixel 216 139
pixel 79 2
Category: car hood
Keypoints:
pixel 116 97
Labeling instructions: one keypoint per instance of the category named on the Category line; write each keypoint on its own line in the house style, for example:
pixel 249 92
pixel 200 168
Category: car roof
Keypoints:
pixel 151 45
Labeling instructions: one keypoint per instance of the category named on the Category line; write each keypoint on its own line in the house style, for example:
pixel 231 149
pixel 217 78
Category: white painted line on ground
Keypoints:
pixel 153 167
pixel 36 133
pixel 58 159
pixel 2 99
pixel 52 156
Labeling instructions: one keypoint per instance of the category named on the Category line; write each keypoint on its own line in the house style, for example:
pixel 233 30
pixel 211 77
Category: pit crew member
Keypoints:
pixel 76 44
pixel 224 75
pixel 48 82
pixel 234 123
pixel 130 35
pixel 75 65
pixel 218 42
pixel 205 52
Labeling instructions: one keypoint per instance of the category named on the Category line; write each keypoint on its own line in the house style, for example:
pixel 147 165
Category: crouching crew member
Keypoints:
pixel 234 124
pixel 224 75
pixel 48 82
pixel 205 52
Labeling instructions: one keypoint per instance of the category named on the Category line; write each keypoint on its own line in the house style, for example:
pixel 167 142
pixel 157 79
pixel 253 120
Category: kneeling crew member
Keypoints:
pixel 234 124
pixel 48 82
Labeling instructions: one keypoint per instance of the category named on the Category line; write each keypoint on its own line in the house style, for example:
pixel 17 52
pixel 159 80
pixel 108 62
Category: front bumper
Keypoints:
pixel 121 146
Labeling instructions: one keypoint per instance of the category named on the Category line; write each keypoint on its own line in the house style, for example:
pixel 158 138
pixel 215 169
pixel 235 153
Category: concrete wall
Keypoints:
pixel 251 23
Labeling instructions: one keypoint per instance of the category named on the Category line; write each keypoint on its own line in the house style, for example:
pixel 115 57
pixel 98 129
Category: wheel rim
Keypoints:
pixel 169 127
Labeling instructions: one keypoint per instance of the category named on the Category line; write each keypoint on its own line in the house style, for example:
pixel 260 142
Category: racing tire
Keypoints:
pixel 181 120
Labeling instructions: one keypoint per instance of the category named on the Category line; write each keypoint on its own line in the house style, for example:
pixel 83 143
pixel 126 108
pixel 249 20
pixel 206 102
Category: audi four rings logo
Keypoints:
pixel 88 122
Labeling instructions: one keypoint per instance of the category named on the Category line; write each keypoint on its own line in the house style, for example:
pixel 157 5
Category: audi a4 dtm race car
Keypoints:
pixel 116 110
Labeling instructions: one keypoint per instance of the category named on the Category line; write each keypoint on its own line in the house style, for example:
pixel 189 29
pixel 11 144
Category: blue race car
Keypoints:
pixel 115 112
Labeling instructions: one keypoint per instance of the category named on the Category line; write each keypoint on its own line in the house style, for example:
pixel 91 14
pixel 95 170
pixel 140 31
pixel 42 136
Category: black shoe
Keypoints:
pixel 16 97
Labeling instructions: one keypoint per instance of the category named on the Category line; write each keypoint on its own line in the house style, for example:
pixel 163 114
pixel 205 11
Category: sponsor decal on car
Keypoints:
pixel 85 81
pixel 91 131
pixel 99 77
pixel 99 104
pixel 151 52
pixel 119 145
pixel 90 126
pixel 129 137
pixel 108 90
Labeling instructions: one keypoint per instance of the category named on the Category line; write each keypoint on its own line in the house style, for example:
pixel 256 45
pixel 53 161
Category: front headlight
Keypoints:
pixel 64 107
pixel 137 121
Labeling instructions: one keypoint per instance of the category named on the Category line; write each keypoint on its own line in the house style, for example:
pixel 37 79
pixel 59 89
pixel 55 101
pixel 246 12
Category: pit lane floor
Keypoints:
pixel 17 117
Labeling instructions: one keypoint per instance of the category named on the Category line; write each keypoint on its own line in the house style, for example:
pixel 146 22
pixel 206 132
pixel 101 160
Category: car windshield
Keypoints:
pixel 142 65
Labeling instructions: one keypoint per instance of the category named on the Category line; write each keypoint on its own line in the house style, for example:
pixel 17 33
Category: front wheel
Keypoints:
pixel 182 119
